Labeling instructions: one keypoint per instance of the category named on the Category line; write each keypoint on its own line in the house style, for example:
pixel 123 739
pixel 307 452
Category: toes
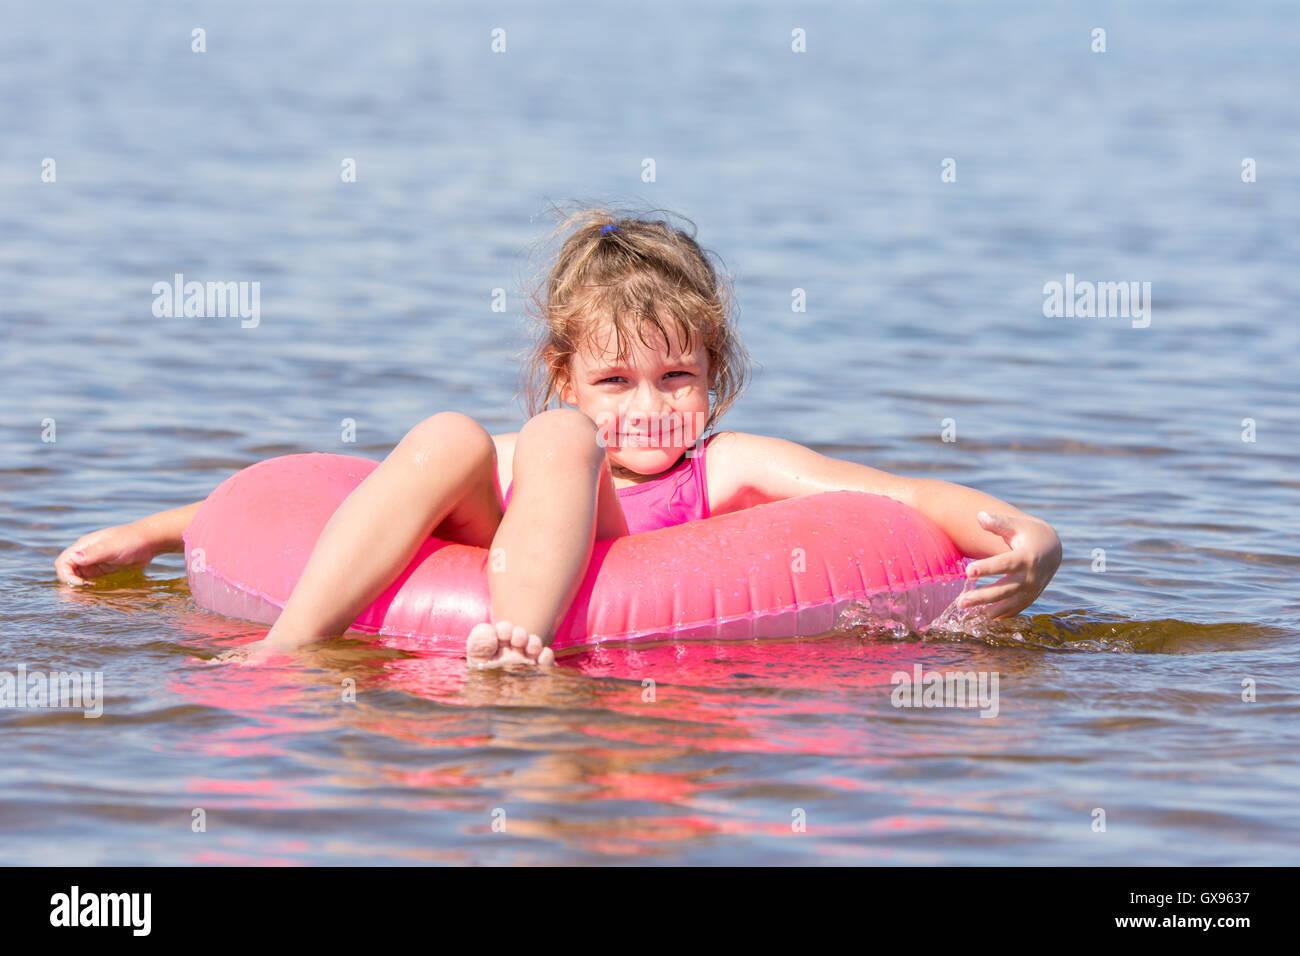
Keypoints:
pixel 482 641
pixel 504 643
pixel 518 638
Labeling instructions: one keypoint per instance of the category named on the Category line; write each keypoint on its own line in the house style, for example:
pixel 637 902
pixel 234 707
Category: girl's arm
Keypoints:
pixel 124 546
pixel 773 469
pixel 165 528
pixel 1006 540
pixel 955 509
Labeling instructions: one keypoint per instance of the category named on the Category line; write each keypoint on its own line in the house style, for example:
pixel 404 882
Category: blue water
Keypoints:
pixel 1120 689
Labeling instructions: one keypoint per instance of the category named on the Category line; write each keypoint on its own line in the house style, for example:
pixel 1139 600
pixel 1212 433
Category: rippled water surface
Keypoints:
pixel 1120 690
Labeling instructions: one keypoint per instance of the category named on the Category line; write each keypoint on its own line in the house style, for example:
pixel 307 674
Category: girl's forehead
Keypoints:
pixel 601 345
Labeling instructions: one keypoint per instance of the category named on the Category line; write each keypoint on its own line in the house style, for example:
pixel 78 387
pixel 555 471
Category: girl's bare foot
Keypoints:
pixel 495 645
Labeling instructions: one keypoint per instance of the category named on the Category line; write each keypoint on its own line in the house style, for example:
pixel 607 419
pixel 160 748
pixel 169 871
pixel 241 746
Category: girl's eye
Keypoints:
pixel 619 378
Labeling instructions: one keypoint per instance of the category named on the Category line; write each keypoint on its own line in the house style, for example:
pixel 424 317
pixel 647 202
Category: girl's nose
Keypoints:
pixel 649 402
pixel 642 417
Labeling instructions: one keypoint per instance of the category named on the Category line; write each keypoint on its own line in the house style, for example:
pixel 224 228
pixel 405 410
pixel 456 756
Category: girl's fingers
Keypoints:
pixel 993 592
pixel 1004 563
pixel 992 611
pixel 1001 525
pixel 1003 609
pixel 67 571
pixel 78 572
pixel 991 524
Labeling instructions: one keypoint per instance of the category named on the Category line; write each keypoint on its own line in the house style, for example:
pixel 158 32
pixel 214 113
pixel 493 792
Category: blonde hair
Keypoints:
pixel 632 277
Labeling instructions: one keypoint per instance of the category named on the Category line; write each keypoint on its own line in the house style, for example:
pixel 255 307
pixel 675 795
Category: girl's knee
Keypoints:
pixel 566 431
pixel 452 433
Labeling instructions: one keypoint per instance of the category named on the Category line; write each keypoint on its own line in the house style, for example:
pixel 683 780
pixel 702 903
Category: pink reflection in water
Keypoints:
pixel 599 729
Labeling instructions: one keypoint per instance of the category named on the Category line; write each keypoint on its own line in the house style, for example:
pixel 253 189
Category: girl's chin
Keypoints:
pixel 644 452
pixel 646 459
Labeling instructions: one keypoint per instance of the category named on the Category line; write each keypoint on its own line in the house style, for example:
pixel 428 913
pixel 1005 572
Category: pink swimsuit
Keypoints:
pixel 675 498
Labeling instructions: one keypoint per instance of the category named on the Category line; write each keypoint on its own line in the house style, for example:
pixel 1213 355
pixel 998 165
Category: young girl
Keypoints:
pixel 636 337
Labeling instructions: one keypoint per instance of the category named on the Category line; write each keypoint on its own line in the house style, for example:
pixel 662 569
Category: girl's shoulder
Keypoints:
pixel 744 470
pixel 726 473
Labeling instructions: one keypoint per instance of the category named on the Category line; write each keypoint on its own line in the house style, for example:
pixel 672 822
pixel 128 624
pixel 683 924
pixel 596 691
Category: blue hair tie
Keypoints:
pixel 606 230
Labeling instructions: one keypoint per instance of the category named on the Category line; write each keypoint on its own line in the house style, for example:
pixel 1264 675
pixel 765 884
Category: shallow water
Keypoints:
pixel 1120 689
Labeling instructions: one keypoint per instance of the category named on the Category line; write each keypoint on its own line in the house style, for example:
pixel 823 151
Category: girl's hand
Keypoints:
pixel 1034 557
pixel 102 552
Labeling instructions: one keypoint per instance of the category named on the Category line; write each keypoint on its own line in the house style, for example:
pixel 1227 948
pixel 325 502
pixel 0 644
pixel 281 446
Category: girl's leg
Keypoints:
pixel 440 479
pixel 563 501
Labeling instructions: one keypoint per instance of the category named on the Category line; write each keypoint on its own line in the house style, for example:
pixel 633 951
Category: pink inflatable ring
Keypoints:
pixel 783 569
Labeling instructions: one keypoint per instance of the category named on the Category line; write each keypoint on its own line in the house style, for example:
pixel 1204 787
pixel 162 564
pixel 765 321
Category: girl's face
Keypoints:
pixel 650 408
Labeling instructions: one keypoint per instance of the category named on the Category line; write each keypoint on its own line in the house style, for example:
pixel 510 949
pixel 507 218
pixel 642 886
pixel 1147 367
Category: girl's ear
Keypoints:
pixel 564 390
